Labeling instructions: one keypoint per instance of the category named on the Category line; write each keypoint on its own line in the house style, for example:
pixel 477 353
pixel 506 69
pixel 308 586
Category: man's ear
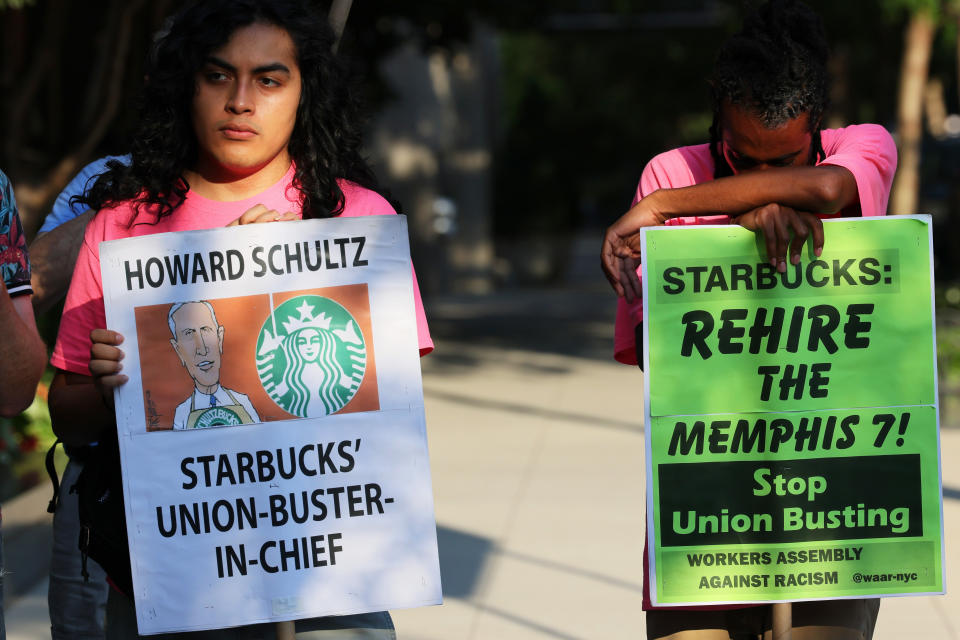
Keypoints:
pixel 176 349
pixel 220 337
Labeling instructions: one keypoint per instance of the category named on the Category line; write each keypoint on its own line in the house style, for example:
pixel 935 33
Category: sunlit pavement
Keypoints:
pixel 538 478
pixel 537 455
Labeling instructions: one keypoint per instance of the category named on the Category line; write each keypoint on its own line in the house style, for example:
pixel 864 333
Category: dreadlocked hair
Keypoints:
pixel 774 68
pixel 326 141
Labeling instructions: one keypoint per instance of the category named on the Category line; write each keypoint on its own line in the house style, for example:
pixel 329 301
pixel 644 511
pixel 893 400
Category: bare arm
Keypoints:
pixel 22 353
pixel 81 406
pixel 823 189
pixel 53 256
pixel 779 202
pixel 77 410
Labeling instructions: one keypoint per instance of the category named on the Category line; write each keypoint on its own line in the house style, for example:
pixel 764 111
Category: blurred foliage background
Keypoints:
pixel 506 129
pixel 583 92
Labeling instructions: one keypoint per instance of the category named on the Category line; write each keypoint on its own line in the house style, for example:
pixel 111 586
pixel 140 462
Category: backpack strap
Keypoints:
pixel 54 480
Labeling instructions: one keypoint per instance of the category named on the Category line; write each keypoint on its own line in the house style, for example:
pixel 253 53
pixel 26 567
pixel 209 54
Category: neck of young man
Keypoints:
pixel 224 184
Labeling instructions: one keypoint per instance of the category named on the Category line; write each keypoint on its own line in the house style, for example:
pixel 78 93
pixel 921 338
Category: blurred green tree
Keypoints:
pixel 589 90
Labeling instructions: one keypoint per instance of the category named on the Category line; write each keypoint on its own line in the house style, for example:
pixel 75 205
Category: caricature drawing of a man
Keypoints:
pixel 198 342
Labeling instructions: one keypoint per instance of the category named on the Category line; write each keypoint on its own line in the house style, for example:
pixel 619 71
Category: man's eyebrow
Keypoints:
pixel 264 68
pixel 218 62
pixel 273 66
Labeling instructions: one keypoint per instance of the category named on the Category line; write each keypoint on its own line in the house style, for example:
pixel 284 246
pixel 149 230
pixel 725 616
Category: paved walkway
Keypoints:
pixel 538 476
pixel 537 452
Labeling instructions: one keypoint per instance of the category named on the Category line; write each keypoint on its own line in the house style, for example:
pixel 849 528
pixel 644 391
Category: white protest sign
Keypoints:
pixel 272 432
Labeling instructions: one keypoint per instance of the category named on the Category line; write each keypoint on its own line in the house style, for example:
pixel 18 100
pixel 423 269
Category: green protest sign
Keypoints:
pixel 793 448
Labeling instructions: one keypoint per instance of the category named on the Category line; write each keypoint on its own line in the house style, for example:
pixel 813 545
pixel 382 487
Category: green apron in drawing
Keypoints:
pixel 223 415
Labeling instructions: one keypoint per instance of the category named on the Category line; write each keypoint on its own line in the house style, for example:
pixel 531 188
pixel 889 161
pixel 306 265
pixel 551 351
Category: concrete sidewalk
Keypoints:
pixel 537 451
pixel 539 476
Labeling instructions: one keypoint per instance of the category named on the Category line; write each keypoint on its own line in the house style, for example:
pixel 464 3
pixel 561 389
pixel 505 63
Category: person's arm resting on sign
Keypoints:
pixel 766 178
pixel 780 202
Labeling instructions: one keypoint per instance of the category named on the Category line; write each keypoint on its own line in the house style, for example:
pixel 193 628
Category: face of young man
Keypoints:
pixel 748 145
pixel 245 105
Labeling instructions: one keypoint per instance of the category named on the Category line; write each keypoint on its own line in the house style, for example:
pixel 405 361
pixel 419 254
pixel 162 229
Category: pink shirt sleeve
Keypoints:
pixel 672 169
pixel 866 150
pixel 364 202
pixel 83 310
pixel 869 153
pixel 423 331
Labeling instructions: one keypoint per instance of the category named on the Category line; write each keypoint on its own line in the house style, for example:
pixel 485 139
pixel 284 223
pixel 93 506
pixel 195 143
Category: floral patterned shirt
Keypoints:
pixel 14 262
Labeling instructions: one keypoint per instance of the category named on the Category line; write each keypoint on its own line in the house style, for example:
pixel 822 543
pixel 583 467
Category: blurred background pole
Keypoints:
pixel 286 630
pixel 782 620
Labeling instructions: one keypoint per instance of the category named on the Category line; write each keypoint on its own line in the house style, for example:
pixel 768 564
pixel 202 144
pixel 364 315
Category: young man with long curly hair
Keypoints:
pixel 246 118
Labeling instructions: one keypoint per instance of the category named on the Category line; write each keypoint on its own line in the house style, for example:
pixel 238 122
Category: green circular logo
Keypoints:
pixel 311 356
pixel 217 417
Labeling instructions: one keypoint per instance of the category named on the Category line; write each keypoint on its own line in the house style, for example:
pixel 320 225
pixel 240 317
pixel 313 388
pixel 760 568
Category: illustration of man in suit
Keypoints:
pixel 198 342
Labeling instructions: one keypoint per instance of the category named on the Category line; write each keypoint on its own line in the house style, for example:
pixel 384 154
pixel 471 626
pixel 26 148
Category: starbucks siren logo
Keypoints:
pixel 310 356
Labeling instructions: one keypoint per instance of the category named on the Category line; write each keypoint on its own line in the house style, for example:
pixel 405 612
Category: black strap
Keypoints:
pixel 638 342
pixel 52 472
pixel 84 543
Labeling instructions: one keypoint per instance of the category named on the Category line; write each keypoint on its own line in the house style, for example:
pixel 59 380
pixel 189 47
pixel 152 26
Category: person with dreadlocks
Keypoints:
pixel 772 168
pixel 246 118
pixel 769 165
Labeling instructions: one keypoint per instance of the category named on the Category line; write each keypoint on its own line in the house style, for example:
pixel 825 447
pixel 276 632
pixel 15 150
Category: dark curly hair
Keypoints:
pixel 326 141
pixel 776 69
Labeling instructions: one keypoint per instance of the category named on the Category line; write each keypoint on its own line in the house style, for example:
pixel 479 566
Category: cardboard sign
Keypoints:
pixel 793 434
pixel 272 432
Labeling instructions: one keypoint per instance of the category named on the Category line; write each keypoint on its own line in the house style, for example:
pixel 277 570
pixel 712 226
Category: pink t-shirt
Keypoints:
pixel 866 150
pixel 84 311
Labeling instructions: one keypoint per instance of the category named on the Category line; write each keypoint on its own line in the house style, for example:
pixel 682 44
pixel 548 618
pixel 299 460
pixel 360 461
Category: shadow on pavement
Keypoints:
pixel 27 556
pixel 465 557
pixel 462 560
